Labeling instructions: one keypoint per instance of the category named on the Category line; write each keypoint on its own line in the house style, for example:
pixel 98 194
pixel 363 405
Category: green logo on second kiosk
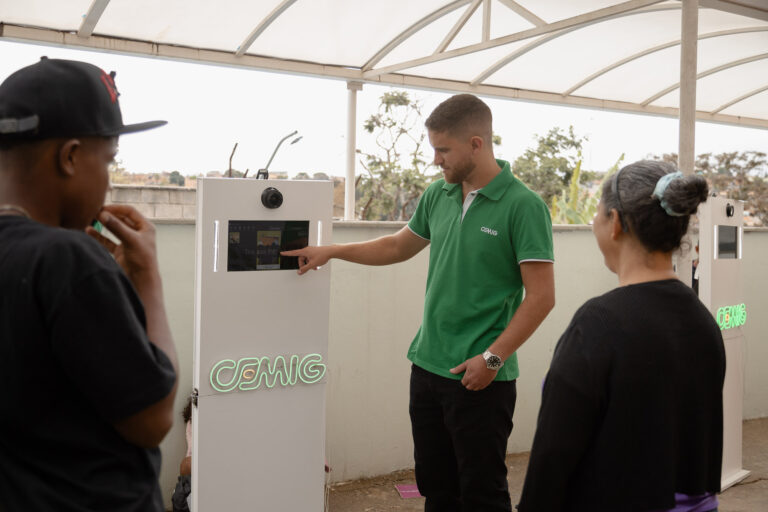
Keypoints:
pixel 729 317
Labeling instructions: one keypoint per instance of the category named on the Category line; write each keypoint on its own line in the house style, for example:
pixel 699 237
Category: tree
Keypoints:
pixel 737 175
pixel 398 173
pixel 547 169
pixel 117 172
pixel 175 178
pixel 578 205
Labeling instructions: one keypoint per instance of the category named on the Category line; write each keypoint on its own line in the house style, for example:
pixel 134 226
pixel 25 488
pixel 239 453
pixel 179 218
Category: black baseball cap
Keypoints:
pixel 62 98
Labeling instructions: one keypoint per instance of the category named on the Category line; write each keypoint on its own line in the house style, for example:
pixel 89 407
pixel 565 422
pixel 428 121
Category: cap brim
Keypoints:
pixel 140 127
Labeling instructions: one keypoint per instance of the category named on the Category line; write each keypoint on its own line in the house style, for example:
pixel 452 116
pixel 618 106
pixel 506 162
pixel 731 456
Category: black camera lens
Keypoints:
pixel 271 197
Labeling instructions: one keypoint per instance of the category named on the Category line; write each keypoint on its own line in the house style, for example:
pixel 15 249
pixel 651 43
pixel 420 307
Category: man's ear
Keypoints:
pixel 476 142
pixel 69 152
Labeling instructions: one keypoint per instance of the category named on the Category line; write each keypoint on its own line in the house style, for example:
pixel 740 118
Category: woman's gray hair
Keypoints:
pixel 631 193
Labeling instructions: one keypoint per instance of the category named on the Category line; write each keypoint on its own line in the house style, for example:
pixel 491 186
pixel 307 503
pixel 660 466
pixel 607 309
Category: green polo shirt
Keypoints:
pixel 474 284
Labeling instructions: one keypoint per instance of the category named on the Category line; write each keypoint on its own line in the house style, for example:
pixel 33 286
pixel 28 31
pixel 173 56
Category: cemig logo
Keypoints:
pixel 489 231
pixel 729 317
pixel 249 373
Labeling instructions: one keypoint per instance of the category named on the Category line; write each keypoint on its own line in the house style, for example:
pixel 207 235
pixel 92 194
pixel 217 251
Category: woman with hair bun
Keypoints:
pixel 631 418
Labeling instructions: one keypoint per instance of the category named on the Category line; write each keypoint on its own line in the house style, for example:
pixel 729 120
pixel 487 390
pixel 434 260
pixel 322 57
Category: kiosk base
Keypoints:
pixel 730 480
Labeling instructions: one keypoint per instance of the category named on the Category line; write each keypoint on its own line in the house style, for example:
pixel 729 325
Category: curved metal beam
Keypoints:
pixel 463 19
pixel 738 7
pixel 525 13
pixel 740 99
pixel 69 39
pixel 549 37
pixel 611 67
pixel 266 22
pixel 708 72
pixel 405 34
pixel 518 53
pixel 91 18
pixel 486 20
pixel 581 19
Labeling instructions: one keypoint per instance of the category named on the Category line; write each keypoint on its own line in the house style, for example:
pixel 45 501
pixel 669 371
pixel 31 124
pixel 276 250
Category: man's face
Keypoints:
pixel 89 184
pixel 455 157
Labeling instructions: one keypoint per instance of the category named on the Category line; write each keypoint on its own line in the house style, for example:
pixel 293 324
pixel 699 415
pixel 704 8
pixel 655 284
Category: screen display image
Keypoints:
pixel 727 242
pixel 256 244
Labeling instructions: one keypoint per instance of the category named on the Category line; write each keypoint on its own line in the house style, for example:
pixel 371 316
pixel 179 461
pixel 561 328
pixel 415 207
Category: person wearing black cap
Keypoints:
pixel 87 362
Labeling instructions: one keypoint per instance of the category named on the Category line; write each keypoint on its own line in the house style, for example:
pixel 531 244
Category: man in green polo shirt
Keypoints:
pixel 491 238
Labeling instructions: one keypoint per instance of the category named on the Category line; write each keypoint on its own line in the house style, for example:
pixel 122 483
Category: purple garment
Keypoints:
pixel 686 503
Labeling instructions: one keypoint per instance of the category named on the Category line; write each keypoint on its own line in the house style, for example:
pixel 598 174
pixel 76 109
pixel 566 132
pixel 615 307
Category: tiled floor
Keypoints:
pixel 379 494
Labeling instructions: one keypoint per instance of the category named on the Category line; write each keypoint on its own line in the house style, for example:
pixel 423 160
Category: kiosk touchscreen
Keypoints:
pixel 261 338
pixel 256 244
pixel 721 290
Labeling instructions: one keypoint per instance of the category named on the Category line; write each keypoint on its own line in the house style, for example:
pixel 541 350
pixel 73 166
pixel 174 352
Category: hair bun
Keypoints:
pixel 684 195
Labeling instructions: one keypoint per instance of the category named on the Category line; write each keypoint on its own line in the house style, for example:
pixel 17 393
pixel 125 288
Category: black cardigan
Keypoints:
pixel 632 408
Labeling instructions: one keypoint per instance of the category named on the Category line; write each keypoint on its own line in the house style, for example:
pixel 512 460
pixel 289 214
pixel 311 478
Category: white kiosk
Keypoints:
pixel 721 290
pixel 261 337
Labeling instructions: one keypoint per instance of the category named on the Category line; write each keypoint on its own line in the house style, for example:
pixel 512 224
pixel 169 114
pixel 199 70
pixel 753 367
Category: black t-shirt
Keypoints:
pixel 632 409
pixel 74 359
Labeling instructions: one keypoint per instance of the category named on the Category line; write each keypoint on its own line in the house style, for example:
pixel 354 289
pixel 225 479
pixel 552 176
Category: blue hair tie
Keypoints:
pixel 661 187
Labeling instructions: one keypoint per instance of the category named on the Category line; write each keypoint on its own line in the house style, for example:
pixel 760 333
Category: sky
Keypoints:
pixel 210 108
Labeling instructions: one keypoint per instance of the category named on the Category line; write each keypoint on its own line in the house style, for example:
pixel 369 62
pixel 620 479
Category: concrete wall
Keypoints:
pixel 176 252
pixel 156 202
pixel 375 312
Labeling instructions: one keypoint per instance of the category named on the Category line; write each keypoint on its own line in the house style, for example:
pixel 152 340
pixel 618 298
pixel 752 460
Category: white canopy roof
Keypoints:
pixel 619 55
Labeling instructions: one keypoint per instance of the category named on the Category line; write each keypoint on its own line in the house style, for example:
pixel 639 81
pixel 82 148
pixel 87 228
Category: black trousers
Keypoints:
pixel 460 442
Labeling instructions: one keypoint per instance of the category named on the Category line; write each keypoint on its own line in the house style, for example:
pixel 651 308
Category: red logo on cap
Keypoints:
pixel 109 83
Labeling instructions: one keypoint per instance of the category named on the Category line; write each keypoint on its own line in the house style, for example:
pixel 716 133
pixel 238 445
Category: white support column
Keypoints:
pixel 687 134
pixel 688 60
pixel 349 184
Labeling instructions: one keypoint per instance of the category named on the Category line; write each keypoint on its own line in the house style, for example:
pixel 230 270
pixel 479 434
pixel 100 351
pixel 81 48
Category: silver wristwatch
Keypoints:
pixel 492 361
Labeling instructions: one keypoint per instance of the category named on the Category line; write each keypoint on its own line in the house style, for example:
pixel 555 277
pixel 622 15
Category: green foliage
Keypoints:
pixel 578 206
pixel 737 175
pixel 548 168
pixel 397 173
pixel 553 169
pixel 117 172
pixel 175 178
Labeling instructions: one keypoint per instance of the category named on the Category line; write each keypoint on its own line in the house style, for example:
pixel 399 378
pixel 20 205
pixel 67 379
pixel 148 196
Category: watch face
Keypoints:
pixel 493 362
